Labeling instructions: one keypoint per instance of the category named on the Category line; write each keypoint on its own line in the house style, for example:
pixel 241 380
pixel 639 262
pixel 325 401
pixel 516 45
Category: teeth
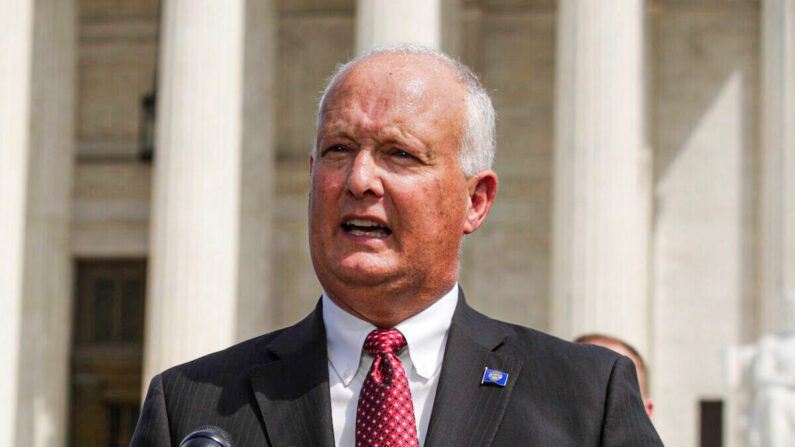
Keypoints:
pixel 362 223
pixel 356 232
pixel 366 227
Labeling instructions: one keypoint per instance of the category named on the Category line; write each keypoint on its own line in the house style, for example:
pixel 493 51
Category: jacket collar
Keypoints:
pixel 475 343
pixel 291 388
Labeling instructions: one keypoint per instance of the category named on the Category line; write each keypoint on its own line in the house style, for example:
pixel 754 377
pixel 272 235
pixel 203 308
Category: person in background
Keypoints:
pixel 626 349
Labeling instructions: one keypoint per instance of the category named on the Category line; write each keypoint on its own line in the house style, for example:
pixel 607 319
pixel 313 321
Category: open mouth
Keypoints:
pixel 365 227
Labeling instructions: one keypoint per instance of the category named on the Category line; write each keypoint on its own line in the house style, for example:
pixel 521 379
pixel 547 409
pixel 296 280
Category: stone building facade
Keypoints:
pixel 646 156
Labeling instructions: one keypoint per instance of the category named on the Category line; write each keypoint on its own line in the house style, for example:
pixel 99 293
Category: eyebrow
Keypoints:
pixel 390 133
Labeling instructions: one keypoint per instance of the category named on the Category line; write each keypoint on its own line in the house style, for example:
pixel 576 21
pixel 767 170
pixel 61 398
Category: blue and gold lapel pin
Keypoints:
pixel 493 376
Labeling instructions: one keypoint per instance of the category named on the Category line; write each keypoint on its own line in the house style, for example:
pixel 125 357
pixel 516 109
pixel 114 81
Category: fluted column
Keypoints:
pixel 602 196
pixel 429 22
pixel 36 160
pixel 208 275
pixel 777 212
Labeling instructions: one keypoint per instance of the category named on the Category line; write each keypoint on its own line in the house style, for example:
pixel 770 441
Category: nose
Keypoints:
pixel 364 178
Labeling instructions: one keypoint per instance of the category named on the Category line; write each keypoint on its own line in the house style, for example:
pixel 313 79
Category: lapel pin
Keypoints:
pixel 494 376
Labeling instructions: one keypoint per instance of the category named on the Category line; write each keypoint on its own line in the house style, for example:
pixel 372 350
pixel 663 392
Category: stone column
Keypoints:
pixel 255 312
pixel 16 28
pixel 429 22
pixel 208 268
pixel 602 184
pixel 42 410
pixel 777 211
pixel 37 103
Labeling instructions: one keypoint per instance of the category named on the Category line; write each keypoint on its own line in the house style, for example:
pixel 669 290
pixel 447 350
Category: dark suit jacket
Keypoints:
pixel 273 391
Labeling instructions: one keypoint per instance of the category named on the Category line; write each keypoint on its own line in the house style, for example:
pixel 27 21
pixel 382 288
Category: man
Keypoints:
pixel 392 355
pixel 624 348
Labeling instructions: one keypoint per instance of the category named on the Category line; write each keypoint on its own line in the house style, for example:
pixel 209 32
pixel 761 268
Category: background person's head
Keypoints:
pixel 626 349
pixel 391 194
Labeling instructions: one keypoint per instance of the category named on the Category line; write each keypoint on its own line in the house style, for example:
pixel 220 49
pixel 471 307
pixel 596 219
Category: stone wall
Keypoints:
pixel 505 268
pixel 117 58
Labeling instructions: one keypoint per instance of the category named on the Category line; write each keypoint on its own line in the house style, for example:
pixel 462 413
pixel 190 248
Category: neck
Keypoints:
pixel 386 310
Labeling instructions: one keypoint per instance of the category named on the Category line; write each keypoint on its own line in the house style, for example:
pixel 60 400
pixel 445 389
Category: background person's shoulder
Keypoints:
pixel 541 347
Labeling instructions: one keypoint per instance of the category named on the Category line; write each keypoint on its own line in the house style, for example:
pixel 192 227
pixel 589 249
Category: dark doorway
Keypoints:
pixel 711 415
pixel 107 351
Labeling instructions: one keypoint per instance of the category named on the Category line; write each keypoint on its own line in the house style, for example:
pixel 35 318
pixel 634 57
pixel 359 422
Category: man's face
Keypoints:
pixel 389 203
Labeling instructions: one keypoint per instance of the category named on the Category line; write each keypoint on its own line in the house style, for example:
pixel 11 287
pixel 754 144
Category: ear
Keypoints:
pixel 482 191
pixel 311 162
pixel 649 406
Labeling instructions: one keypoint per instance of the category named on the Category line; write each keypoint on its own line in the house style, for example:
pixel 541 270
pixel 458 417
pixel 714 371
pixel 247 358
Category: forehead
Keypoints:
pixel 389 84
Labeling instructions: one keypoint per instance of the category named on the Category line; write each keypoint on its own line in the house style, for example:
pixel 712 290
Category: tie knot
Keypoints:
pixel 384 341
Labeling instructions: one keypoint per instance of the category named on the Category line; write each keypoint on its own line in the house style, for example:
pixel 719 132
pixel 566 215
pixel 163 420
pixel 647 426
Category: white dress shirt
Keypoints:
pixel 426 336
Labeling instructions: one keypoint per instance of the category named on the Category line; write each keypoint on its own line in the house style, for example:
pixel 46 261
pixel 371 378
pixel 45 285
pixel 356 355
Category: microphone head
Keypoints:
pixel 207 436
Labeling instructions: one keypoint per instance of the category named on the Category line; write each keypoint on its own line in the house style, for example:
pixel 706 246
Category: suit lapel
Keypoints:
pixel 291 388
pixel 461 400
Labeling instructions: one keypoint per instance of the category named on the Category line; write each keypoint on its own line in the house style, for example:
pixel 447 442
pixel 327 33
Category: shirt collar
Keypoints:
pixel 425 332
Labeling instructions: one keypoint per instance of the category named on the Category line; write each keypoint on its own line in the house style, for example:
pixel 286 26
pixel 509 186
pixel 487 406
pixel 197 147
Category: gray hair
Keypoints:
pixel 479 143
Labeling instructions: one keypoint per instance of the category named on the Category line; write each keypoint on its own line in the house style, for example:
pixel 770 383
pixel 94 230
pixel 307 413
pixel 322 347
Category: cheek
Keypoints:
pixel 325 185
pixel 432 211
pixel 452 202
pixel 322 203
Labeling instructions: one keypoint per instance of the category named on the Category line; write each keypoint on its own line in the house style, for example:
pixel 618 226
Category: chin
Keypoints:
pixel 362 276
pixel 363 269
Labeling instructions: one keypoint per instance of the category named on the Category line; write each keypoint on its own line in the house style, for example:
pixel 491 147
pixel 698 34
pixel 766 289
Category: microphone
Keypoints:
pixel 207 436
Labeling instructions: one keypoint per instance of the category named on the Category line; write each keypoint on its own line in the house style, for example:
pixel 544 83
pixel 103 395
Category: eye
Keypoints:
pixel 402 154
pixel 335 149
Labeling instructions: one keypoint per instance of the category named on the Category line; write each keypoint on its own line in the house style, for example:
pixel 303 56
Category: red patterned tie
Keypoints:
pixel 385 416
